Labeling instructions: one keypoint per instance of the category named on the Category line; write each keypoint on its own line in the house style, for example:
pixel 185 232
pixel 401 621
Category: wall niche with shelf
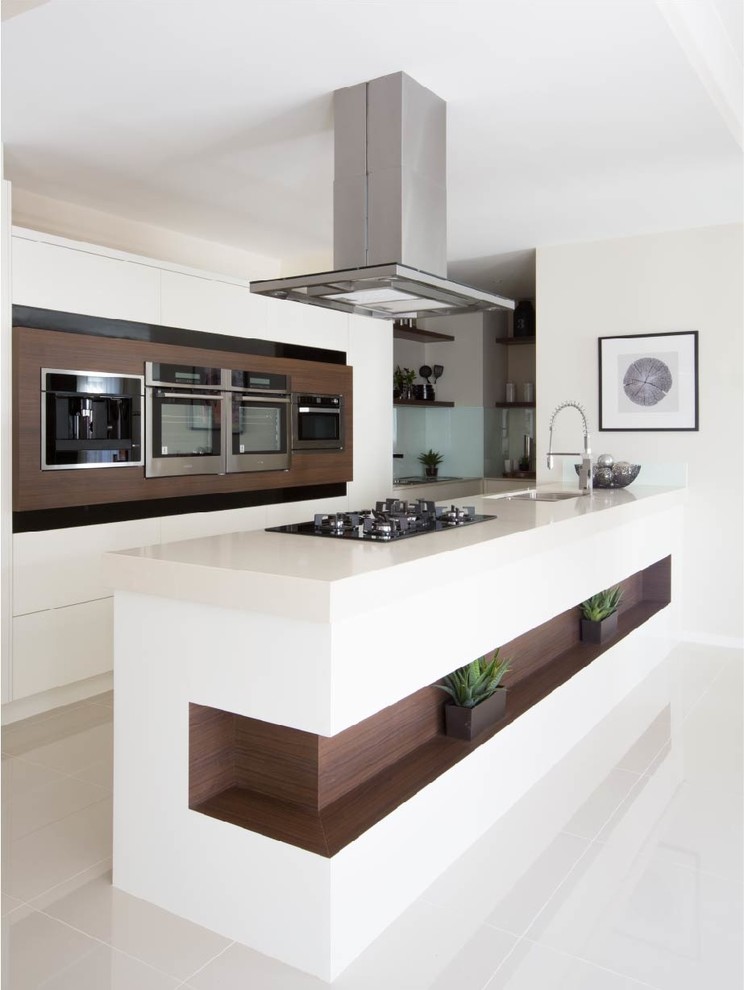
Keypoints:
pixel 512 421
pixel 320 793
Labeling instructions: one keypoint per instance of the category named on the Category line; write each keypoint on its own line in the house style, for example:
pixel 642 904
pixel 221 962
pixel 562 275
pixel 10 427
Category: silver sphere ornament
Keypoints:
pixel 605 460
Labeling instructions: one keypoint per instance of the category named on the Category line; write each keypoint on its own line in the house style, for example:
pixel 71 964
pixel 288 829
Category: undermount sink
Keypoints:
pixel 547 496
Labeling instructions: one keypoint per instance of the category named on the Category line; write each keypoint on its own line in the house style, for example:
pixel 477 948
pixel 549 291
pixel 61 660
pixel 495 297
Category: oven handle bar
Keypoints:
pixel 189 395
pixel 263 398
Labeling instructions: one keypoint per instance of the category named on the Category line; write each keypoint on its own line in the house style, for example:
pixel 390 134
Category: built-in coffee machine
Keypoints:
pixel 90 419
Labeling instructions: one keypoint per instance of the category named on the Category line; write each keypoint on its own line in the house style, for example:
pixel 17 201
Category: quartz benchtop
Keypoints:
pixel 325 580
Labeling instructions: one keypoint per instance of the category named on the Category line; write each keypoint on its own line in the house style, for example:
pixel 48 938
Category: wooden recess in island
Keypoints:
pixel 320 793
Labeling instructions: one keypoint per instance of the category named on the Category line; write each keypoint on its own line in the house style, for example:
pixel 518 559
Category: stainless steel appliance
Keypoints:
pixel 90 419
pixel 258 406
pixel 317 422
pixel 389 210
pixel 392 519
pixel 185 417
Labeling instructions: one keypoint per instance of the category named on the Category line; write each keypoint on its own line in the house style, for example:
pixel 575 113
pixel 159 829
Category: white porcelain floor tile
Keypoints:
pixel 535 967
pixel 705 825
pixel 20 777
pixel 240 968
pixel 517 909
pixel 140 929
pixel 8 904
pixel 712 747
pixel 53 854
pixel 642 915
pixel 646 749
pixel 428 948
pixel 602 804
pixel 48 803
pixel 69 960
pixel 101 774
pixel 55 894
pixel 52 727
pixel 78 750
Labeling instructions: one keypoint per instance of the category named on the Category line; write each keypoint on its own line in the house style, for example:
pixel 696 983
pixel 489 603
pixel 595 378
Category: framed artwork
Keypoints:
pixel 649 381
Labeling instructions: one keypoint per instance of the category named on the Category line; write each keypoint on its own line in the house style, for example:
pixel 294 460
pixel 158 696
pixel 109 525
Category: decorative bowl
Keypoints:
pixel 620 475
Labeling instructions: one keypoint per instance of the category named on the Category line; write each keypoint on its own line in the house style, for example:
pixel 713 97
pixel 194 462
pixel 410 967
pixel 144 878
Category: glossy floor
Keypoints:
pixel 621 869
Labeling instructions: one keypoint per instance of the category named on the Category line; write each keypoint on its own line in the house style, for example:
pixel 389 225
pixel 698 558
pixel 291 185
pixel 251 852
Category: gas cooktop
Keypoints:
pixel 393 519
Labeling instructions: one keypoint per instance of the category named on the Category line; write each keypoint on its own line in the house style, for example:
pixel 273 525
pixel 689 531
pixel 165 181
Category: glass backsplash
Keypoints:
pixel 474 442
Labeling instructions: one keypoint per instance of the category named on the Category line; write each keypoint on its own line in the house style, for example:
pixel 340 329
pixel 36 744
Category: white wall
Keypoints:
pixel 688 280
pixel 59 598
pixel 81 223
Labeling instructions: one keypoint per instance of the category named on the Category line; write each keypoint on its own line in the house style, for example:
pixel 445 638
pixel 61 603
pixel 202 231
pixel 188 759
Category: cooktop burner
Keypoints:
pixel 393 519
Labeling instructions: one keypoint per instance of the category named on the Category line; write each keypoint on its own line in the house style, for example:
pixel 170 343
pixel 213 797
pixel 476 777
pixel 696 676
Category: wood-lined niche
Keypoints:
pixel 320 793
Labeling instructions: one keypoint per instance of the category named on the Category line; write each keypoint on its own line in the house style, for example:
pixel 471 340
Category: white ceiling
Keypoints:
pixel 567 119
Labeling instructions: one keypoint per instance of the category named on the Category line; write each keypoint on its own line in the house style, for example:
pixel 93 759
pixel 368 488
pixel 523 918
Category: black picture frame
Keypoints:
pixel 649 382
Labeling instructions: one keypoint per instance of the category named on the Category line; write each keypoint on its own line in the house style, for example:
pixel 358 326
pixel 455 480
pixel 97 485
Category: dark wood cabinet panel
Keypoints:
pixel 34 489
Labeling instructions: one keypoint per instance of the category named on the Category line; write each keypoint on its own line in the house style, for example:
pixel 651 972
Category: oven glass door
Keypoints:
pixel 321 426
pixel 260 433
pixel 184 433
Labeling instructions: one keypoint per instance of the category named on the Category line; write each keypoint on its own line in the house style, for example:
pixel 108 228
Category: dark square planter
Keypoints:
pixel 599 632
pixel 467 723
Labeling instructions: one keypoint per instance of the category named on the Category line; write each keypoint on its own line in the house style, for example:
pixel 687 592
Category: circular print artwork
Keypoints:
pixel 647 381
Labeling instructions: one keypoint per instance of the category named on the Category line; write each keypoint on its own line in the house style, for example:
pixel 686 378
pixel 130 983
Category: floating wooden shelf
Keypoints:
pixel 422 336
pixel 529 475
pixel 420 402
pixel 515 405
pixel 320 793
pixel 508 341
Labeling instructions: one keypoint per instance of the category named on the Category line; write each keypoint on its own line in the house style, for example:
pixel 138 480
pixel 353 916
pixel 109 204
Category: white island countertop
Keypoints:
pixel 325 580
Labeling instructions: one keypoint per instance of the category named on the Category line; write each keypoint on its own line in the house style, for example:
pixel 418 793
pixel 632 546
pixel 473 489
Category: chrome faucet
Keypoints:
pixel 585 474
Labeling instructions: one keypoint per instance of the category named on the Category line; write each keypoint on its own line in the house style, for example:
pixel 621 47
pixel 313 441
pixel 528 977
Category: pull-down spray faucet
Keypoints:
pixel 585 475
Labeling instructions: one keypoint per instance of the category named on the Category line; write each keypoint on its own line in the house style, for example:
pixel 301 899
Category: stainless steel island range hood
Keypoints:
pixel 389 211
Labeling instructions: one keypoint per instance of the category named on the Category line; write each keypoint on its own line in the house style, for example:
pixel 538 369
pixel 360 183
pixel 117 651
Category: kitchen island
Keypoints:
pixel 281 774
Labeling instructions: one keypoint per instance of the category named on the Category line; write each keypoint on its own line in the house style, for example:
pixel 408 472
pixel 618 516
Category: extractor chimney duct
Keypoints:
pixel 389 210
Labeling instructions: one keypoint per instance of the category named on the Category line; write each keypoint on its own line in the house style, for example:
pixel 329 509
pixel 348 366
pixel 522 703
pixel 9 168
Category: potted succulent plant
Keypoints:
pixel 431 459
pixel 599 622
pixel 477 699
pixel 403 379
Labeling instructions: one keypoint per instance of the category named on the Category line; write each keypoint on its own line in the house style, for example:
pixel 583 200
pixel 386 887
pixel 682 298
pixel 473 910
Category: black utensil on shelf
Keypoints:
pixel 437 372
pixel 425 371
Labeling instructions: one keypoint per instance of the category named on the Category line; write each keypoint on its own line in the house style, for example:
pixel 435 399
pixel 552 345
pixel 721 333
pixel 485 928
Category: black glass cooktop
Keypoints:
pixel 390 520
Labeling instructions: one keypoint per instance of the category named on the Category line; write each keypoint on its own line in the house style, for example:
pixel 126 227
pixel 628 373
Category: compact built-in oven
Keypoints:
pixel 258 406
pixel 317 422
pixel 90 419
pixel 185 420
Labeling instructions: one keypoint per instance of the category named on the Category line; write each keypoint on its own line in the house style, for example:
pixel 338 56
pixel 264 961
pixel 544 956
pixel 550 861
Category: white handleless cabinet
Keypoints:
pixel 62 606
pixel 60 567
pixel 61 645
pixel 196 303
pixel 73 280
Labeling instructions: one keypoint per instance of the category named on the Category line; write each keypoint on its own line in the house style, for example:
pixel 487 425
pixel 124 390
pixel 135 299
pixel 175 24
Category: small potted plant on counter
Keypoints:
pixel 599 622
pixel 431 459
pixel 403 379
pixel 477 699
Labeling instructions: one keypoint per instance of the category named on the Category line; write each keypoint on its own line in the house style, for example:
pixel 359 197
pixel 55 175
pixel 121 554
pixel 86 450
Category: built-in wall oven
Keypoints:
pixel 258 404
pixel 185 410
pixel 317 422
pixel 90 419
